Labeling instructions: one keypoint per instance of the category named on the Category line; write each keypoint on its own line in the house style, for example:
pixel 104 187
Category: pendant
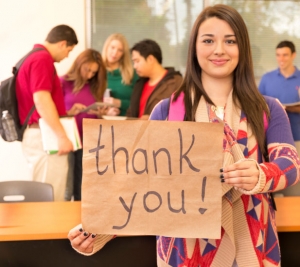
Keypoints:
pixel 219 111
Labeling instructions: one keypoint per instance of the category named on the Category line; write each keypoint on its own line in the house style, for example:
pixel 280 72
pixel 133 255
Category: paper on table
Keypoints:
pixel 118 118
pixel 49 138
pixel 96 105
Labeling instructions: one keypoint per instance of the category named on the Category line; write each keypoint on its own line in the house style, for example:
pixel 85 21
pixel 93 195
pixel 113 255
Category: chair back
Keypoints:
pixel 25 191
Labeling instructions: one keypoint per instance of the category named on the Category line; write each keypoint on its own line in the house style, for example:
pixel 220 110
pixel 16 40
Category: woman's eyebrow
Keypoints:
pixel 211 35
pixel 207 34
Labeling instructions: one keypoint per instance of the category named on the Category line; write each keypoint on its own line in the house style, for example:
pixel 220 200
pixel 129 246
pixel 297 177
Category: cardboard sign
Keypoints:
pixel 152 178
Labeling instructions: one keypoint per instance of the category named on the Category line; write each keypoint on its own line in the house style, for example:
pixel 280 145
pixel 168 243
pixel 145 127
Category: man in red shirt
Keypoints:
pixel 38 84
pixel 156 82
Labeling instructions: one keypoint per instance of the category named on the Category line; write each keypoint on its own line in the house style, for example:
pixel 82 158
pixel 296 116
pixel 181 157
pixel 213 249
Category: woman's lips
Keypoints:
pixel 219 62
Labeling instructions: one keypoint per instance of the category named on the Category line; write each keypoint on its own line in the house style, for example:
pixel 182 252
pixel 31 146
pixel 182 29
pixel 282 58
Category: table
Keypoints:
pixel 35 234
pixel 38 220
pixel 288 226
pixel 288 214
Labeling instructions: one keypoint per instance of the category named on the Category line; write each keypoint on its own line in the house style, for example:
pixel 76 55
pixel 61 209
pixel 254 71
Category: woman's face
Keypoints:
pixel 115 52
pixel 216 49
pixel 88 70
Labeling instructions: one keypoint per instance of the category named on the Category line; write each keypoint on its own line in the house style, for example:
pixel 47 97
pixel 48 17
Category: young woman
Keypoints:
pixel 83 85
pixel 218 86
pixel 120 73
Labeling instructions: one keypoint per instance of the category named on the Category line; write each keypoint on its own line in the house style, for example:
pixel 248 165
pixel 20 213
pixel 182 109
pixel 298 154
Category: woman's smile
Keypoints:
pixel 219 62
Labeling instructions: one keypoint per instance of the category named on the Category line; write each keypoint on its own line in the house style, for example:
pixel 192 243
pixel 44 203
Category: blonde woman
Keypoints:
pixel 120 73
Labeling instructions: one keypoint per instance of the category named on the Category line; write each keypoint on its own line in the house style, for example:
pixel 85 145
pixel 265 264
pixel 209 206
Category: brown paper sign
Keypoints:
pixel 152 178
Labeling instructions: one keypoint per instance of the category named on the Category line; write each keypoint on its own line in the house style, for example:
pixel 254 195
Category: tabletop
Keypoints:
pixel 38 220
pixel 288 214
pixel 53 220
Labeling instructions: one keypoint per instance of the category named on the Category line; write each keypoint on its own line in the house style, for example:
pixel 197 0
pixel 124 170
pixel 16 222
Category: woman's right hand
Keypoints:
pixel 75 109
pixel 80 240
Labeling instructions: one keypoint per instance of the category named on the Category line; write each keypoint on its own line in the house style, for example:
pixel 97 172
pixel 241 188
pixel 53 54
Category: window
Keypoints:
pixel 168 22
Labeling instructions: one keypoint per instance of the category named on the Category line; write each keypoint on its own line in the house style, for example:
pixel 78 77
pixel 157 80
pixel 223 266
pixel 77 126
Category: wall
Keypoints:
pixel 23 24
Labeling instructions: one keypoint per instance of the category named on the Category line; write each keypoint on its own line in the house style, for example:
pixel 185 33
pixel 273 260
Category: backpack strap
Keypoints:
pixel 24 125
pixel 16 68
pixel 176 108
pixel 266 122
pixel 15 71
pixel 266 125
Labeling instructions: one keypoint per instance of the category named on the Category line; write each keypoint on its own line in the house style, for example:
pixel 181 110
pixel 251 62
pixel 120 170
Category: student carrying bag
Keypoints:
pixel 8 100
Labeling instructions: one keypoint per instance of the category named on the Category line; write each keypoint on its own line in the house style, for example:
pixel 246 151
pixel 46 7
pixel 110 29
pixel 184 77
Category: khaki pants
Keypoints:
pixel 45 168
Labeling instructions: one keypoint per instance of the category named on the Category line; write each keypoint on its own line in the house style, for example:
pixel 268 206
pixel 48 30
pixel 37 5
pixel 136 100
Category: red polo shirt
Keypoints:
pixel 38 73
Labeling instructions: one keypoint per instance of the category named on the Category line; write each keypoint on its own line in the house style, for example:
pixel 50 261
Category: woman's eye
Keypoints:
pixel 208 41
pixel 231 41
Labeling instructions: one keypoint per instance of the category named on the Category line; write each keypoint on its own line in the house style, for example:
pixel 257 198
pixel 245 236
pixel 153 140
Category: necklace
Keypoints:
pixel 219 111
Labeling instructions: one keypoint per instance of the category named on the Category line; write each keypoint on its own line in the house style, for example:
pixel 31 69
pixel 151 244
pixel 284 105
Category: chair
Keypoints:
pixel 25 191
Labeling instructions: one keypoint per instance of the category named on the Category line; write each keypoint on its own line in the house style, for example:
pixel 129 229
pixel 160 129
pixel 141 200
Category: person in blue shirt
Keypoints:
pixel 284 84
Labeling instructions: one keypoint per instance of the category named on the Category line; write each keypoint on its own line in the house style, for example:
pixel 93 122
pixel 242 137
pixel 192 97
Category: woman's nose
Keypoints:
pixel 219 49
pixel 114 52
pixel 90 75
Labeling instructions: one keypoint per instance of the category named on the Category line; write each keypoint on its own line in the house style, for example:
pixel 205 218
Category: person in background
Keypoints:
pixel 219 87
pixel 120 73
pixel 38 84
pixel 84 84
pixel 284 84
pixel 156 82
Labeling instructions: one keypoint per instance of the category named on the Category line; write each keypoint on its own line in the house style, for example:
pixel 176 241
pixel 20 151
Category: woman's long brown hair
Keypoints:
pixel 98 82
pixel 245 90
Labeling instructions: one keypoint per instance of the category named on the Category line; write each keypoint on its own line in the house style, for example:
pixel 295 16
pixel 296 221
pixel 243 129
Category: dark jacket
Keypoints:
pixel 170 82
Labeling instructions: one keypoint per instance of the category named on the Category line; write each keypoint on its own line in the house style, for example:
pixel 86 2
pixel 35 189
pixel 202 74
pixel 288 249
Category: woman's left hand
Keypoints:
pixel 110 100
pixel 243 174
pixel 113 112
pixel 81 240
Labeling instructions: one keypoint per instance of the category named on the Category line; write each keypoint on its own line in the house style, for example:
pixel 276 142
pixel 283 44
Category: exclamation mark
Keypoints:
pixel 203 210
